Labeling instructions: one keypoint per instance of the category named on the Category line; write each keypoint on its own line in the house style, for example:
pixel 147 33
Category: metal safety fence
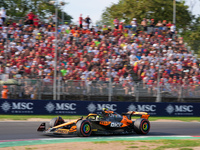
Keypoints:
pixel 170 90
pixel 137 91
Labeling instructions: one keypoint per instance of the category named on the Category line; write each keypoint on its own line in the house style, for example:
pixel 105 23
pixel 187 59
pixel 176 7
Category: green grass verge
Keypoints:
pixel 149 145
pixel 25 117
pixel 163 144
pixel 101 142
pixel 182 144
pixel 186 119
pixel 166 144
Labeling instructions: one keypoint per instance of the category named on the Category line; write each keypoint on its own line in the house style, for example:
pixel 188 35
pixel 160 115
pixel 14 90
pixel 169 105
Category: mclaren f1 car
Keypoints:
pixel 105 123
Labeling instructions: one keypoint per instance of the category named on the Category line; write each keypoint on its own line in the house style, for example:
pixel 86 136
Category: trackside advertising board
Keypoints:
pixel 68 107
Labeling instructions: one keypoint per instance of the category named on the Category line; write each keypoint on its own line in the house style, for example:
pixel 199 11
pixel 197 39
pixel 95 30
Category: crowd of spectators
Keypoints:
pixel 96 53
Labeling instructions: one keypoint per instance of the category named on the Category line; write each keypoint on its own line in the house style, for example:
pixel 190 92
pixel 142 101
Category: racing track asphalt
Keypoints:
pixel 27 130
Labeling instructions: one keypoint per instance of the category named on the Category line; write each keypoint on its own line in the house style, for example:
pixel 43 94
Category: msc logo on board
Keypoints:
pixel 180 109
pixel 98 107
pixel 50 107
pixel 16 106
pixel 138 107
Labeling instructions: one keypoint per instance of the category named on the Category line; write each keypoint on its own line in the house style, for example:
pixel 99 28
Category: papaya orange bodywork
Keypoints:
pixel 105 123
pixel 65 124
pixel 109 112
pixel 145 116
pixel 72 129
pixel 126 121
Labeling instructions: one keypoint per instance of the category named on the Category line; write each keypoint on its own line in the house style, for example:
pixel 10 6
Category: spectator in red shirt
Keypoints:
pixel 81 21
pixel 169 25
pixel 36 21
pixel 29 20
pixel 121 26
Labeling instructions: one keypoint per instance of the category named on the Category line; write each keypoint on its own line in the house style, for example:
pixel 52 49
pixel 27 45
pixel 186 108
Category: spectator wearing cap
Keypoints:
pixel 152 24
pixel 151 27
pixel 13 71
pixel 134 24
pixel 169 24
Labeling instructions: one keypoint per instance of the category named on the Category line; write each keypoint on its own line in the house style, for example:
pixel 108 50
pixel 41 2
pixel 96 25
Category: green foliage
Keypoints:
pixel 192 35
pixel 42 8
pixel 126 10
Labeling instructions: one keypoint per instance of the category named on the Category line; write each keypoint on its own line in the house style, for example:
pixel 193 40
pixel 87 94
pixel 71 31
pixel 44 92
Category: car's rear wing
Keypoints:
pixel 144 115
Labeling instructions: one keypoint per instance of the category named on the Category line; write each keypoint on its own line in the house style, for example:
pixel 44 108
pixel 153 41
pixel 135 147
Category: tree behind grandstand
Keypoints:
pixel 126 10
pixel 192 35
pixel 42 8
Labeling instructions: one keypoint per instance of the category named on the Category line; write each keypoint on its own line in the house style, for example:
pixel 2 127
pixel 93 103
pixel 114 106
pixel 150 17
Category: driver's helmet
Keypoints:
pixel 104 109
pixel 97 117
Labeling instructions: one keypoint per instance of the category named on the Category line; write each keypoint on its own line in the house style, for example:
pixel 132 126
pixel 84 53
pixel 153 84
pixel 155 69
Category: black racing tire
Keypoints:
pixel 141 126
pixel 56 121
pixel 84 128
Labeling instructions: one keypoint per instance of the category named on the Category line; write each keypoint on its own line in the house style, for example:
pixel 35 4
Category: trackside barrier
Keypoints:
pixel 68 107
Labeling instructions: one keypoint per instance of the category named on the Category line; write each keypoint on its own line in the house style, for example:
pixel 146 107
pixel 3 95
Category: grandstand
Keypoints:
pixel 89 58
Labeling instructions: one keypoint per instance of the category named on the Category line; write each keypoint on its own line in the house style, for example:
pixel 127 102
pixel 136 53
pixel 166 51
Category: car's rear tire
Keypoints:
pixel 84 128
pixel 56 121
pixel 141 126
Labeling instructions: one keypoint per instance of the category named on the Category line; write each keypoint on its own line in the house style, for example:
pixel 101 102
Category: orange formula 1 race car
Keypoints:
pixel 105 123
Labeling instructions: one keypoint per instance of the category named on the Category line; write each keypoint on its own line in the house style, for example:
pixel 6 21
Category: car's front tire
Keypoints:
pixel 56 121
pixel 84 128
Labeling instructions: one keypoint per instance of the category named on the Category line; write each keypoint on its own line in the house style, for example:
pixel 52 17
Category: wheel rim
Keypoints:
pixel 86 128
pixel 145 126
